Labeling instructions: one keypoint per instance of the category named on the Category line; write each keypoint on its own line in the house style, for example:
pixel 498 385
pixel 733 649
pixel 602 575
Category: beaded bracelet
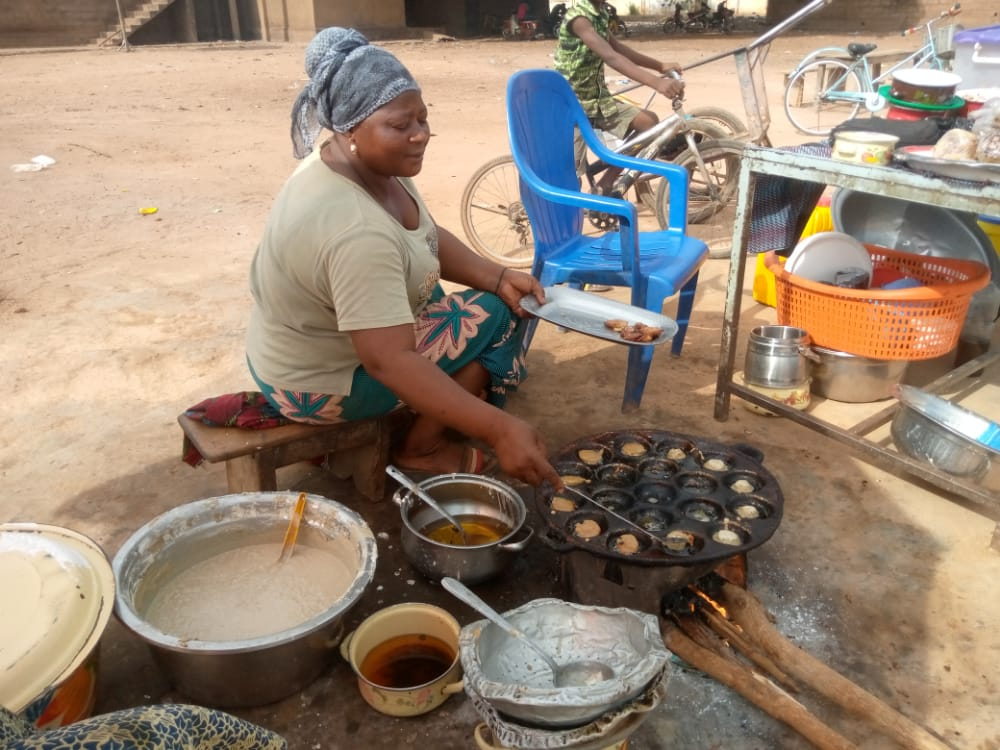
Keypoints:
pixel 499 281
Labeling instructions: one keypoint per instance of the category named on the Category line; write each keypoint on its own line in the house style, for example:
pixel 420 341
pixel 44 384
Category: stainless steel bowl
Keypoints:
pixel 248 672
pixel 852 379
pixel 943 434
pixel 508 675
pixel 464 496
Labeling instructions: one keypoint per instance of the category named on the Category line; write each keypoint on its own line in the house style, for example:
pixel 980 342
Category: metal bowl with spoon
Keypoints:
pixel 571 674
pixel 415 488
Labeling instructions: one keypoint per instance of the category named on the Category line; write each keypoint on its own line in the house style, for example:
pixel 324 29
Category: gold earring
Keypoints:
pixel 354 147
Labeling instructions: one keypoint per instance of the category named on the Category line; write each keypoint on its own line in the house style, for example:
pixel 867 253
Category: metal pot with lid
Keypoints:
pixel 778 356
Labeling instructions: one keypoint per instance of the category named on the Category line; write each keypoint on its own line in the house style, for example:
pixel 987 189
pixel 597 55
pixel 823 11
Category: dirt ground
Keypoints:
pixel 114 322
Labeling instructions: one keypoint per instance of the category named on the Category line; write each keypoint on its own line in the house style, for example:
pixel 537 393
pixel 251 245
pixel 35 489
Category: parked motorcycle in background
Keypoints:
pixel 521 24
pixel 552 22
pixel 723 18
pixel 701 19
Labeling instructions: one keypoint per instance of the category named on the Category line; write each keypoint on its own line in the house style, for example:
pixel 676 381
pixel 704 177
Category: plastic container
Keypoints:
pixel 991 225
pixel 977 56
pixel 820 220
pixel 919 323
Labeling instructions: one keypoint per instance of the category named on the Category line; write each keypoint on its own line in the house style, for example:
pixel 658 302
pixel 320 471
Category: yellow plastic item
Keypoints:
pixel 991 225
pixel 820 220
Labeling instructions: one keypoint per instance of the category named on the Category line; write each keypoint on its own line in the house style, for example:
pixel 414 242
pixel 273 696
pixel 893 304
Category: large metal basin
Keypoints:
pixel 251 671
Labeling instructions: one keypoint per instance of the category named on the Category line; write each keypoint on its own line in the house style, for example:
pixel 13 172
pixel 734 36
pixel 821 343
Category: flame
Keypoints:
pixel 711 602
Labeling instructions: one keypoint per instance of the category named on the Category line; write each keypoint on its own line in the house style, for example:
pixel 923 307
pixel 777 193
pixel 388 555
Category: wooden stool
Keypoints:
pixel 356 449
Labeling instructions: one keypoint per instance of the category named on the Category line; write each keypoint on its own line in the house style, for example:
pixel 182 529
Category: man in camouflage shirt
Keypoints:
pixel 585 47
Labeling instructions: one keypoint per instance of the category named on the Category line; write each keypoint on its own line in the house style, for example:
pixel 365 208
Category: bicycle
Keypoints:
pixel 831 84
pixel 706 142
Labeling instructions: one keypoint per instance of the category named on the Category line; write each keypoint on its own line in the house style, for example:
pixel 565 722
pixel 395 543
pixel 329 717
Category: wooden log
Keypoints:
pixel 756 688
pixel 735 636
pixel 747 611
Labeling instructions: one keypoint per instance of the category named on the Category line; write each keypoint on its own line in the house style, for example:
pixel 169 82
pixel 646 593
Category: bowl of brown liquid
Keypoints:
pixel 492 516
pixel 406 658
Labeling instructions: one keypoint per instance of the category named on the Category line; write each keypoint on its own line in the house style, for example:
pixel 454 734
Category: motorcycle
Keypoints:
pixel 723 19
pixel 553 21
pixel 701 19
pixel 520 25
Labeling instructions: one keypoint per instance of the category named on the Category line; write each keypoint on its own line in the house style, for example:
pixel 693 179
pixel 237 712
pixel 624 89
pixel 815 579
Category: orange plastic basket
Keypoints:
pixel 916 323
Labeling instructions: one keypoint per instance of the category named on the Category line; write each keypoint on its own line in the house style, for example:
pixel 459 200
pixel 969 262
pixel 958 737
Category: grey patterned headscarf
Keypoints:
pixel 348 80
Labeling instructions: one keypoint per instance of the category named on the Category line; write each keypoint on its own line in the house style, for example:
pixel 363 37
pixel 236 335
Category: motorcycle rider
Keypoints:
pixel 585 46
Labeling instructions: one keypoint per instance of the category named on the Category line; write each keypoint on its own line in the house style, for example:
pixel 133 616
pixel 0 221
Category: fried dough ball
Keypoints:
pixel 562 504
pixel 587 529
pixel 726 536
pixel 591 456
pixel 716 464
pixel 633 449
pixel 742 486
pixel 627 544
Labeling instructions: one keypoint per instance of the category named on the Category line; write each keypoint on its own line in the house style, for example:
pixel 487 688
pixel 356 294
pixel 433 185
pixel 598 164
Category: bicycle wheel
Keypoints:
pixel 732 125
pixel 710 188
pixel 702 130
pixel 821 95
pixel 493 216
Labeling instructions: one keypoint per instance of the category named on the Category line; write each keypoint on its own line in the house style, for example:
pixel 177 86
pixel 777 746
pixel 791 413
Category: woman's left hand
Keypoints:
pixel 513 285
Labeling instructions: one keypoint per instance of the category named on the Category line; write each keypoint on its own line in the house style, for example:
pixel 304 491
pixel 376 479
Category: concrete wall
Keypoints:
pixel 37 23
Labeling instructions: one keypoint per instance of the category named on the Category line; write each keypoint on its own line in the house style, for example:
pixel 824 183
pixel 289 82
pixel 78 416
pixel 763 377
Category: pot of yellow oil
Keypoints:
pixel 492 516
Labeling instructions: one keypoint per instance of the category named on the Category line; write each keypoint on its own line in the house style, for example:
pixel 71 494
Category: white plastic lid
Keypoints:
pixel 56 597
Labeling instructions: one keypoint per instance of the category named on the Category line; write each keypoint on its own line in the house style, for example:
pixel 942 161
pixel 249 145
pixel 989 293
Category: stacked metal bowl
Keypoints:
pixel 512 683
pixel 945 435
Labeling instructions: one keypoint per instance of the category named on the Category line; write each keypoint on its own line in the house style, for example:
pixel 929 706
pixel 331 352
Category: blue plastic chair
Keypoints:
pixel 542 112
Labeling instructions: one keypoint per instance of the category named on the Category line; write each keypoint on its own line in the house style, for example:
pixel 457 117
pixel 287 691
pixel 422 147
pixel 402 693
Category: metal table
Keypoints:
pixel 890 181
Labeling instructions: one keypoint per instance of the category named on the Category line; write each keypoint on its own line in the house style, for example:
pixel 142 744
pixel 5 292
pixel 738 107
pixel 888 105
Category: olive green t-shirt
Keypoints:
pixel 331 261
pixel 580 66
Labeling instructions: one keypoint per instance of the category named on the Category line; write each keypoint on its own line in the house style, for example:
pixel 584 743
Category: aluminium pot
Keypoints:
pixel 853 379
pixel 463 496
pixel 251 671
pixel 777 357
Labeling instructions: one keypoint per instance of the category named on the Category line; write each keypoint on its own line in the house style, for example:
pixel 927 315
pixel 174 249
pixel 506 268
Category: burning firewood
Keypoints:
pixel 712 629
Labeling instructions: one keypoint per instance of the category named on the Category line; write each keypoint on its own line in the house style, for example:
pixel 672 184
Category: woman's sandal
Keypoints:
pixel 474 461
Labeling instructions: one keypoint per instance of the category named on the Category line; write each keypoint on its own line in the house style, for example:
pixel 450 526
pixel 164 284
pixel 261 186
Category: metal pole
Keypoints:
pixel 121 23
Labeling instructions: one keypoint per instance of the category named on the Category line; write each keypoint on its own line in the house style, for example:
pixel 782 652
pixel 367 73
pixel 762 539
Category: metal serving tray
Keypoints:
pixel 586 313
pixel 922 159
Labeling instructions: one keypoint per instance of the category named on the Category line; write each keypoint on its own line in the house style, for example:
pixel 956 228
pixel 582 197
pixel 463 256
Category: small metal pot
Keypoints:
pixel 408 619
pixel 777 357
pixel 463 495
pixel 852 379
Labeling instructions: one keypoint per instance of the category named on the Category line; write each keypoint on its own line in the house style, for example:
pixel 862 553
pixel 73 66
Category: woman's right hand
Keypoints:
pixel 522 454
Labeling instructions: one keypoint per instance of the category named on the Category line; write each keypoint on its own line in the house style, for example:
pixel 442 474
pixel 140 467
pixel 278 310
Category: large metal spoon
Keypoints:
pixel 413 487
pixel 573 674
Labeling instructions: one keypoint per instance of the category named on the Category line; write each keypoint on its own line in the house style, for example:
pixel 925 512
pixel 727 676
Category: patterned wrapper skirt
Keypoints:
pixel 452 331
